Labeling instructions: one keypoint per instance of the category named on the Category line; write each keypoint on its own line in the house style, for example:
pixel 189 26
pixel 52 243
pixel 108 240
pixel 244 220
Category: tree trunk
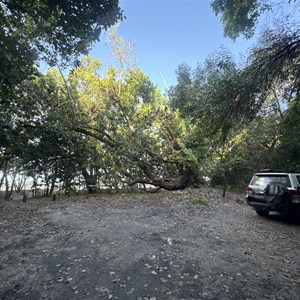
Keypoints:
pixel 89 179
pixel 53 180
pixel 47 184
pixel 224 188
pixel 155 163
pixel 9 189
pixel 4 172
pixel 186 179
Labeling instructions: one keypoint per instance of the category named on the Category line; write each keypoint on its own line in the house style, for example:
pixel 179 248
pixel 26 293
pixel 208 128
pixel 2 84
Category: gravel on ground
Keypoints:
pixel 190 244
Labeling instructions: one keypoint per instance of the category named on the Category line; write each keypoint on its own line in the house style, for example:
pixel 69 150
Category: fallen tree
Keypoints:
pixel 140 140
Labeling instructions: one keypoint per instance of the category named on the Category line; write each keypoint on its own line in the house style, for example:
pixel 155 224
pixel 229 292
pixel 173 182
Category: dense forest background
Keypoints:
pixel 220 123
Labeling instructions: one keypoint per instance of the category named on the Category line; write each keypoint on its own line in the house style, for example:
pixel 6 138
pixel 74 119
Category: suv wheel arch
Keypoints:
pixel 262 212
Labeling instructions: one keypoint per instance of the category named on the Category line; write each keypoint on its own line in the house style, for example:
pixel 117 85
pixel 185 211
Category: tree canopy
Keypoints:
pixel 240 17
pixel 221 121
pixel 31 31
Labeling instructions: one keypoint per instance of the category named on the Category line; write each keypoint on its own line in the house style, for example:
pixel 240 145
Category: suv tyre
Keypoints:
pixel 262 212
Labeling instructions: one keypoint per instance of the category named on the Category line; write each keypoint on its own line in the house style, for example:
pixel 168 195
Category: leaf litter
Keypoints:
pixel 158 246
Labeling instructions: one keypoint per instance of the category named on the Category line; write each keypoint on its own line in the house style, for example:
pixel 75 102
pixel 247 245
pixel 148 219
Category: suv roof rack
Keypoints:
pixel 266 170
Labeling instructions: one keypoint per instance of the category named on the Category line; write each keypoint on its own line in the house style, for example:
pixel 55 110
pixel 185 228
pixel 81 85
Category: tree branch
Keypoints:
pixel 100 138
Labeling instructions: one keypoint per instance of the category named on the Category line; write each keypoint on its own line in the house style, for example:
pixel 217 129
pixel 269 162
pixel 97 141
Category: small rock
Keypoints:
pixel 131 291
pixel 102 289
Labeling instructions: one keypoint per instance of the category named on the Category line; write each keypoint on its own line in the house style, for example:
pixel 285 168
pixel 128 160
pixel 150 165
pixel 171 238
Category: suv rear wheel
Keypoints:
pixel 262 212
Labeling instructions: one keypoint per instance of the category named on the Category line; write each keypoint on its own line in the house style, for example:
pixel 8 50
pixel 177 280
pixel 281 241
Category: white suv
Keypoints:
pixel 274 191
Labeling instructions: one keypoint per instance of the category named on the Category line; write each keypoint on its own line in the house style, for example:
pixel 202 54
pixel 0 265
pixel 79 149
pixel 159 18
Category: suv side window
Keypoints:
pixel 263 180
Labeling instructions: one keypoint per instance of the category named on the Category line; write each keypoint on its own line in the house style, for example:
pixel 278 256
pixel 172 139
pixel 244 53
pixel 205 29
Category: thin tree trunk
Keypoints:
pixel 9 189
pixel 53 180
pixel 4 172
pixel 224 187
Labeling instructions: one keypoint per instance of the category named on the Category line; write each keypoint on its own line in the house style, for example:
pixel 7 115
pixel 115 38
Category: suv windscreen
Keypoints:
pixel 263 180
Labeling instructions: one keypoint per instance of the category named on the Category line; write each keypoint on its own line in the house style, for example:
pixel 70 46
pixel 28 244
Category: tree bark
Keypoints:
pixel 53 180
pixel 4 172
pixel 9 189
pixel 182 181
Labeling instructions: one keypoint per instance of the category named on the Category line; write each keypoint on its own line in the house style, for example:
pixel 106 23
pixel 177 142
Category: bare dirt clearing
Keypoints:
pixel 157 246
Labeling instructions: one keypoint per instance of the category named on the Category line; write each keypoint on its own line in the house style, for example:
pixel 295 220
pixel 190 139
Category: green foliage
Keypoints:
pixel 273 73
pixel 199 202
pixel 222 122
pixel 131 120
pixel 235 171
pixel 237 117
pixel 275 59
pixel 35 31
pixel 32 108
pixel 214 94
pixel 289 147
pixel 238 17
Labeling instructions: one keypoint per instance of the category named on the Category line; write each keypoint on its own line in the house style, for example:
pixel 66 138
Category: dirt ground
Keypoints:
pixel 147 247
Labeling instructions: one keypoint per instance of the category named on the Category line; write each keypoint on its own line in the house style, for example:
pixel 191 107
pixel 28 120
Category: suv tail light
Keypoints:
pixel 295 192
pixel 249 190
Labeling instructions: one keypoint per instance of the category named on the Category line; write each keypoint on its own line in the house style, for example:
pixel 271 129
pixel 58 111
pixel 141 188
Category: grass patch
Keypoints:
pixel 199 202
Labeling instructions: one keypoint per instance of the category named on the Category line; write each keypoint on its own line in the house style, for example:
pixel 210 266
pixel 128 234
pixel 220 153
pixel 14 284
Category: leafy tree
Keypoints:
pixel 114 128
pixel 215 92
pixel 49 30
pixel 275 60
pixel 240 17
pixel 231 116
pixel 218 101
pixel 35 31
pixel 275 57
pixel 36 138
pixel 289 147
pixel 234 173
pixel 214 97
pixel 133 125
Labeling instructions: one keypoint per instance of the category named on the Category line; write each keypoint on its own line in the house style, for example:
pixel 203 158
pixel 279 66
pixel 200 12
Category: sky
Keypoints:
pixel 166 33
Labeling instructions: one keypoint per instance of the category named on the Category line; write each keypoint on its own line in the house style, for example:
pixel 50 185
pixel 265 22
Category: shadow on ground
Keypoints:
pixel 147 247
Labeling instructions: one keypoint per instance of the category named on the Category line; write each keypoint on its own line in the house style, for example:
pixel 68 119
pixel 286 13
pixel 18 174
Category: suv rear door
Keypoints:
pixel 261 180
